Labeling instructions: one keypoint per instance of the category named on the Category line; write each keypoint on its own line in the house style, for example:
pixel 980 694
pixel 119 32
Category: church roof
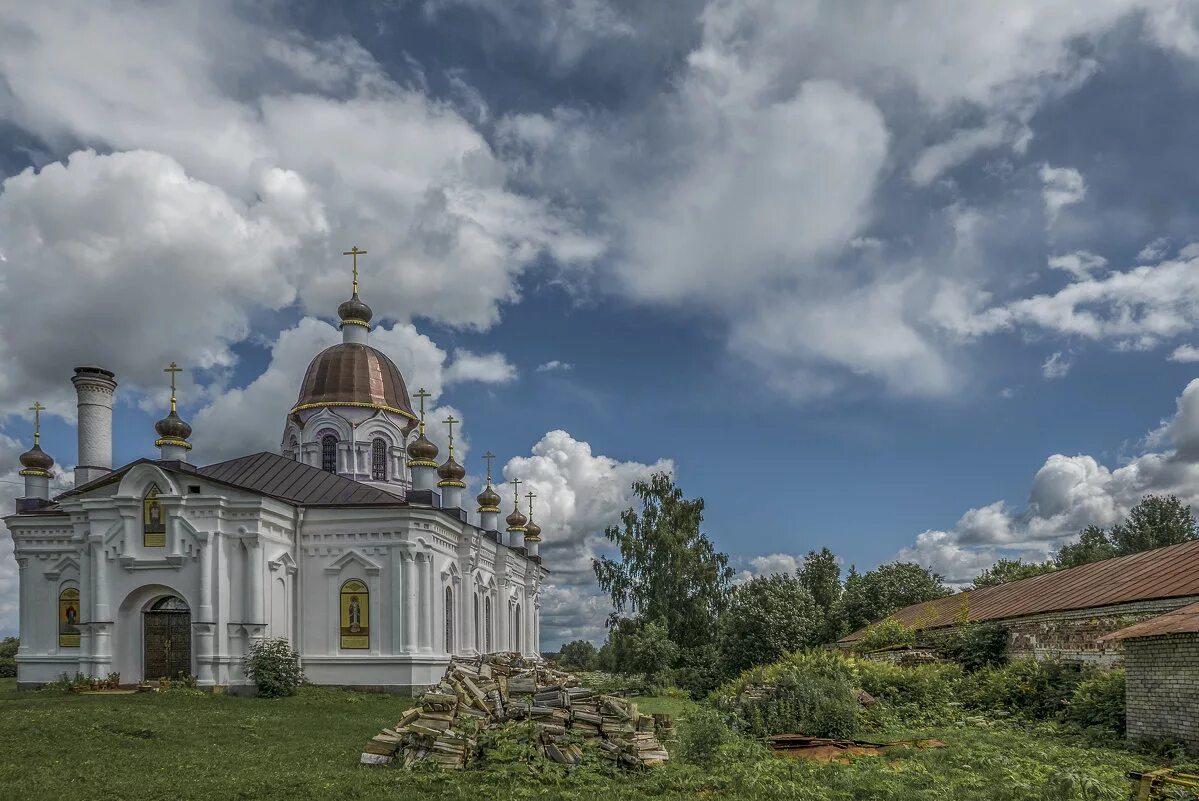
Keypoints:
pixel 272 475
pixel 295 482
pixel 353 374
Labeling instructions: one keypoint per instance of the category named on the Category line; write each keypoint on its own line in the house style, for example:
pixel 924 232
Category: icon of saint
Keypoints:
pixel 355 615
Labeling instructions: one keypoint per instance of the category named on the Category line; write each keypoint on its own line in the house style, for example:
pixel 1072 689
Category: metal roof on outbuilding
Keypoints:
pixel 1180 621
pixel 1168 572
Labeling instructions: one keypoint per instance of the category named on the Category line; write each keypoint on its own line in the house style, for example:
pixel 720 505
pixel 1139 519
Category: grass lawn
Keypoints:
pixel 183 746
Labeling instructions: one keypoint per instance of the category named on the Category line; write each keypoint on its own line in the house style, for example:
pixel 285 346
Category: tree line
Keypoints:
pixel 680 618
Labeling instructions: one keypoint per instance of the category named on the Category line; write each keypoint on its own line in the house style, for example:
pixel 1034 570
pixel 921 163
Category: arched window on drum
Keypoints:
pixel 379 460
pixel 329 453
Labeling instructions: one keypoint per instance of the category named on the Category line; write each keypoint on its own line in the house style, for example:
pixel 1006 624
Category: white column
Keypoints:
pixel 205 610
pixel 424 601
pixel 410 600
pixel 101 656
pixel 87 612
pixel 24 606
pixel 395 607
pixel 254 568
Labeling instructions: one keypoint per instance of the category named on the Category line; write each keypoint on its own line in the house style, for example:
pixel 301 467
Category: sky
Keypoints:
pixel 907 279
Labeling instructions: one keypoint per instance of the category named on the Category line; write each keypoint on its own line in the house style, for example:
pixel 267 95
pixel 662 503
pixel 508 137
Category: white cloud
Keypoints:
pixel 1155 250
pixel 1061 187
pixel 486 368
pixel 554 365
pixel 1080 264
pixel 579 493
pixel 239 160
pixel 1056 366
pixel 1069 493
pixel 1185 353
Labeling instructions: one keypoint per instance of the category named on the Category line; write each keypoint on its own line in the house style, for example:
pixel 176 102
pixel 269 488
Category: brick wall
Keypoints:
pixel 1163 688
pixel 1074 635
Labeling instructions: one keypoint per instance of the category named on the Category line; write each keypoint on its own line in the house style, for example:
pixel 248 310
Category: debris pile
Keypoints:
pixel 492 689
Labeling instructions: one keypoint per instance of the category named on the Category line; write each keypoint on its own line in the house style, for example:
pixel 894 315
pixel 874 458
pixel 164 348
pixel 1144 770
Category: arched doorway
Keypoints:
pixel 167 638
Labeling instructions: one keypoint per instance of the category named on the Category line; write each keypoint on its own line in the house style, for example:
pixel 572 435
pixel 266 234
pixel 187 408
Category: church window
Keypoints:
pixel 329 453
pixel 154 524
pixel 68 618
pixel 516 629
pixel 379 460
pixel 478 641
pixel 355 615
pixel 449 620
pixel 487 623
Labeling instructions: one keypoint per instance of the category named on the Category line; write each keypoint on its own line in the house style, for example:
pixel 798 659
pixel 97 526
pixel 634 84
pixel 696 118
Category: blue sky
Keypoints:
pixel 904 283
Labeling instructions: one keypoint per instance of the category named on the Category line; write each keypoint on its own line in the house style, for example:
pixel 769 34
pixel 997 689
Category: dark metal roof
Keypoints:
pixel 295 482
pixel 1168 572
pixel 1180 621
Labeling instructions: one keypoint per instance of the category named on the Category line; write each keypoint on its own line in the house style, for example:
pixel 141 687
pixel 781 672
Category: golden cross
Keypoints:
pixel 355 252
pixel 37 408
pixel 530 496
pixel 174 368
pixel 516 493
pixel 422 395
pixel 489 456
pixel 449 421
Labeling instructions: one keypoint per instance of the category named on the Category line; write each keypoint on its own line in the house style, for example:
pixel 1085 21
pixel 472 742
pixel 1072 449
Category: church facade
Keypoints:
pixel 352 542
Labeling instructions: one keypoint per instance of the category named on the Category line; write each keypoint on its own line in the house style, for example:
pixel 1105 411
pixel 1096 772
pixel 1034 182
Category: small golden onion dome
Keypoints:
pixel 516 521
pixel 354 312
pixel 173 427
pixel 422 452
pixel 451 474
pixel 489 500
pixel 532 532
pixel 36 461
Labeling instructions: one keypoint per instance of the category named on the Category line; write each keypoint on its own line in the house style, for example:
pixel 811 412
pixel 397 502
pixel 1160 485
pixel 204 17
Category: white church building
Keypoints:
pixel 352 543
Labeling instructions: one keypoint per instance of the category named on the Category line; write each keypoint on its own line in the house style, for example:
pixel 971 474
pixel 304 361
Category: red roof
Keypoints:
pixel 1168 572
pixel 1180 621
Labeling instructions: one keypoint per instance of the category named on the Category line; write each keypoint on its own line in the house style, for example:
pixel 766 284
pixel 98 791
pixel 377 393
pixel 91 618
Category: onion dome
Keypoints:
pixel 173 430
pixel 422 452
pixel 354 312
pixel 532 532
pixel 516 521
pixel 451 473
pixel 357 375
pixel 489 500
pixel 36 462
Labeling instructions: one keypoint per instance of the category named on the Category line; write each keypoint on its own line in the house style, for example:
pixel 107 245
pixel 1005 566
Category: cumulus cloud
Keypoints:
pixel 554 365
pixel 1080 264
pixel 1185 353
pixel 579 493
pixel 1061 187
pixel 242 420
pixel 1056 366
pixel 233 161
pixel 1069 493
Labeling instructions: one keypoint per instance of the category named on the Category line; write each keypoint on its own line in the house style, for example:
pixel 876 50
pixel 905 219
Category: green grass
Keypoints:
pixel 182 746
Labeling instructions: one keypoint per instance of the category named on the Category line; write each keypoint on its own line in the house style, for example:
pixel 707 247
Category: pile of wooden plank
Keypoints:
pixel 493 689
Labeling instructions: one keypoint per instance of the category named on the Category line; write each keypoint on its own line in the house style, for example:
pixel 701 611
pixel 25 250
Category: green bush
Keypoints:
pixel 974 645
pixel 8 654
pixel 274 666
pixel 886 633
pixel 809 692
pixel 1098 701
pixel 1036 689
pixel 923 693
pixel 702 734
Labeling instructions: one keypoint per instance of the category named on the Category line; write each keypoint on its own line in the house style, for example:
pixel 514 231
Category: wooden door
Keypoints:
pixel 168 641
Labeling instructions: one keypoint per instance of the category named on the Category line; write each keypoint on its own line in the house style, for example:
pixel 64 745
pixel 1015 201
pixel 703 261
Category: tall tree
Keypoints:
pixel 1092 546
pixel 667 568
pixel 767 617
pixel 1156 521
pixel 1005 570
pixel 821 575
pixel 888 588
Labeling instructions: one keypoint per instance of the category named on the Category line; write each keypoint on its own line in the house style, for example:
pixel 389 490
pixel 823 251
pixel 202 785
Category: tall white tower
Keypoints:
pixel 94 388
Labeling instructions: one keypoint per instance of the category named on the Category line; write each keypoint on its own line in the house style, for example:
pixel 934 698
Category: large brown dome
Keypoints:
pixel 352 374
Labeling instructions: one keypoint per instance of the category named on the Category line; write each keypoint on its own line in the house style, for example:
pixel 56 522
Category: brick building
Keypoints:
pixel 1069 614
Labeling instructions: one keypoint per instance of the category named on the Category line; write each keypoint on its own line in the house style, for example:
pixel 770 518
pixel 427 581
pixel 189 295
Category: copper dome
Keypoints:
pixel 352 374
pixel 173 427
pixel 36 461
pixel 451 473
pixel 532 532
pixel 489 500
pixel 516 521
pixel 422 452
